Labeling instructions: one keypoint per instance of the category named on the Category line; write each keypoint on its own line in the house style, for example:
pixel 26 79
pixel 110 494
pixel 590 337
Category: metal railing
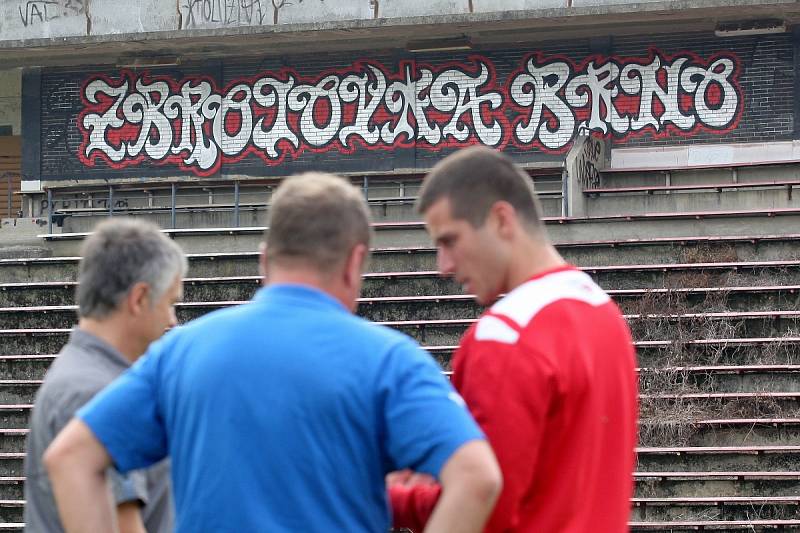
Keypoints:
pixel 111 199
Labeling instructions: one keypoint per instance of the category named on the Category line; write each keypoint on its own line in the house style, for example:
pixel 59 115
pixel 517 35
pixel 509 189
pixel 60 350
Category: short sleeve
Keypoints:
pixel 125 417
pixel 130 487
pixel 426 420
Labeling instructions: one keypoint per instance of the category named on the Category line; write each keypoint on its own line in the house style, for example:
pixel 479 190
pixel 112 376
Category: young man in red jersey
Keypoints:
pixel 548 371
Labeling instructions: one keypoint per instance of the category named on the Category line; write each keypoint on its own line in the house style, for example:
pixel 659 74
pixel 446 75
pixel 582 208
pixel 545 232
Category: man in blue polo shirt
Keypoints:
pixel 286 413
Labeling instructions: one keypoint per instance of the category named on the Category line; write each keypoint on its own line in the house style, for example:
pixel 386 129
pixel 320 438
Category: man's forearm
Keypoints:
pixel 129 517
pixel 471 483
pixel 76 463
pixel 462 509
pixel 85 503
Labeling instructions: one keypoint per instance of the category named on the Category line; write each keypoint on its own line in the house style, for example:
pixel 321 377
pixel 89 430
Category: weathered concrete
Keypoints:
pixel 75 32
pixel 126 16
pixel 52 19
pixel 487 6
pixel 404 8
pixel 18 238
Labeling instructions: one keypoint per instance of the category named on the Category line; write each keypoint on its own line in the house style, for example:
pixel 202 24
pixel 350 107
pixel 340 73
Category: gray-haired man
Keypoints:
pixel 129 279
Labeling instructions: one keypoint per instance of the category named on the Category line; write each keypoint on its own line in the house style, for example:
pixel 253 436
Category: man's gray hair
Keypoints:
pixel 316 219
pixel 117 255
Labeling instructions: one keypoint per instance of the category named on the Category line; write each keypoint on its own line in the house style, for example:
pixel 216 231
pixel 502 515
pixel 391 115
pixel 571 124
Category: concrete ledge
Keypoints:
pixel 178 21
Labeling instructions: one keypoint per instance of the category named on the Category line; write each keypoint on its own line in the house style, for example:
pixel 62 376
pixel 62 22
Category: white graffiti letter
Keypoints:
pixel 698 80
pixel 189 107
pixel 642 80
pixel 237 101
pixel 359 88
pixel 538 89
pixel 304 98
pixel 141 108
pixel 601 85
pixel 99 124
pixel 400 99
pixel 267 139
pixel 457 92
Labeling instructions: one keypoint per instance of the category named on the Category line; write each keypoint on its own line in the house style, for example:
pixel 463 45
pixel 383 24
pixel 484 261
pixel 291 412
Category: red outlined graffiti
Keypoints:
pixel 281 114
pixel 197 126
pixel 662 95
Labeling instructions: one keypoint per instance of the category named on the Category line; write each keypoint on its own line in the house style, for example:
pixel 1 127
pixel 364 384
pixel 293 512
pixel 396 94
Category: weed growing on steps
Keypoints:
pixel 680 317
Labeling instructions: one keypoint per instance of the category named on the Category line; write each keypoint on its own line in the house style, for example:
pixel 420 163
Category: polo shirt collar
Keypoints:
pixel 92 344
pixel 298 293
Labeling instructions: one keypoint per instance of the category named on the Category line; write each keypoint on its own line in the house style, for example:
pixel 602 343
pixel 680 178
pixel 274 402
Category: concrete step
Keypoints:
pixel 639 305
pixel 732 351
pixel 686 526
pixel 622 226
pixel 719 458
pixel 734 364
pixel 12 488
pixel 653 510
pixel 683 327
pixel 757 378
pixel 773 197
pixel 704 484
pixel 665 277
pixel 697 432
pixel 603 252
pixel 723 508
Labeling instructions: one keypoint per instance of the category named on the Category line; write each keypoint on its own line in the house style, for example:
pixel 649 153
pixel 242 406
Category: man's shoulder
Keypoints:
pixel 523 303
pixel 550 297
pixel 74 374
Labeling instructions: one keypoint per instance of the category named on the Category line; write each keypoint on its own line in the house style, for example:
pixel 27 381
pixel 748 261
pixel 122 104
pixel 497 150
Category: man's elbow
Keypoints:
pixel 488 482
pixel 55 457
pixel 74 448
pixel 475 469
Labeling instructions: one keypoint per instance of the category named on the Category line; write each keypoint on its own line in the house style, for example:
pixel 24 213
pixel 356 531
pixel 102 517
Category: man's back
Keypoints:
pixel 84 367
pixel 285 414
pixel 549 374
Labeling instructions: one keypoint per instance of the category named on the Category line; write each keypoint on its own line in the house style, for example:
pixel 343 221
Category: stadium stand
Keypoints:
pixel 714 311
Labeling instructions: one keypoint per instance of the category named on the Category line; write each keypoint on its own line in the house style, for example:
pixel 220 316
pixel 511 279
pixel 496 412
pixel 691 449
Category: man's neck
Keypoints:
pixel 531 257
pixel 114 331
pixel 309 278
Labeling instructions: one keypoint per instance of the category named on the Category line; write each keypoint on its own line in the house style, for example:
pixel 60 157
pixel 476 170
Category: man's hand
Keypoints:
pixel 409 478
pixel 129 516
pixel 76 463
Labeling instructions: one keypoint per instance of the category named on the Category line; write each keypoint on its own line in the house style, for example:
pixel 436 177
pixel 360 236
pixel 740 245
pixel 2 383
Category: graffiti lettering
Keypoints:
pixel 223 12
pixel 623 97
pixel 42 11
pixel 197 126
pixel 586 165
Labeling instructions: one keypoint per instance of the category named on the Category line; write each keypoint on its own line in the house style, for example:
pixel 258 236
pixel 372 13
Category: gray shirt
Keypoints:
pixel 84 367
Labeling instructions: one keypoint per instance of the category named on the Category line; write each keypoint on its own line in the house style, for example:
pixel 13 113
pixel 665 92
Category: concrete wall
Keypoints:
pixel 132 16
pixel 10 99
pixel 22 20
pixel 33 19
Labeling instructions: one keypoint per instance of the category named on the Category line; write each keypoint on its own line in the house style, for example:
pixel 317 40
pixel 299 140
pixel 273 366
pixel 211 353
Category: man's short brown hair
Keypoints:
pixel 316 219
pixel 474 179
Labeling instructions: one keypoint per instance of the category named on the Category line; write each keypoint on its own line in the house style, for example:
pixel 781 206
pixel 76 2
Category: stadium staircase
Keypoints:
pixel 706 269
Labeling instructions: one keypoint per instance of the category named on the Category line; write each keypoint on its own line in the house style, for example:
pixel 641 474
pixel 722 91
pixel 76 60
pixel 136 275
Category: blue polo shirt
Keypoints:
pixel 283 414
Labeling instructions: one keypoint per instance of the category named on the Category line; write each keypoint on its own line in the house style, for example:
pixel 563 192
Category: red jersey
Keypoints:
pixel 549 374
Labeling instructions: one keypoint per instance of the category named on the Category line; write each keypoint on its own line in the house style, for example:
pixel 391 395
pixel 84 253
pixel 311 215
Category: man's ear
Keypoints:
pixel 263 261
pixel 504 217
pixel 354 265
pixel 138 299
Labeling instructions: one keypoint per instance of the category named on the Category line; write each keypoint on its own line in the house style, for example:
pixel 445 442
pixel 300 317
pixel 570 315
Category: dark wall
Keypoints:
pixel 379 112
